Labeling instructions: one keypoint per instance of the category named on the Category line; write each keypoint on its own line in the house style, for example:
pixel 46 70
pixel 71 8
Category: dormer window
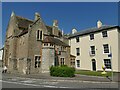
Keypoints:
pixel 39 35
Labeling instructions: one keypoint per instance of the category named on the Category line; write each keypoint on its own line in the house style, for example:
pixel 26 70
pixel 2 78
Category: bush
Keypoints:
pixel 62 71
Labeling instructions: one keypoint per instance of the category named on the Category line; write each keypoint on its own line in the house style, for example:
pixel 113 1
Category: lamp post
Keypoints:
pixel 110 55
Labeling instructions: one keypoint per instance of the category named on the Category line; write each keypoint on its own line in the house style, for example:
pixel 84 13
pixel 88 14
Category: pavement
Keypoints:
pixel 46 76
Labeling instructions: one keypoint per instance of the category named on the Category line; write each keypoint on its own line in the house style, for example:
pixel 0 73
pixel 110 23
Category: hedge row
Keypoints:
pixel 62 71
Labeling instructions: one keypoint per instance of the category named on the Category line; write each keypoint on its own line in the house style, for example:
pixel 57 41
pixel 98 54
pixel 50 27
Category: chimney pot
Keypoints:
pixel 55 23
pixel 74 31
pixel 99 24
pixel 37 16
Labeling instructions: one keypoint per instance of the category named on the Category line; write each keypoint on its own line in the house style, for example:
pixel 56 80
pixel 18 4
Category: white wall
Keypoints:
pixel 85 43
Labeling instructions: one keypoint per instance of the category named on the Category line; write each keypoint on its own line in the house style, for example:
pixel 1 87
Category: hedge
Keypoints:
pixel 62 71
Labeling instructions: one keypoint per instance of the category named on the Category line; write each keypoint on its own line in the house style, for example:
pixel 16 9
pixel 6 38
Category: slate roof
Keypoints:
pixel 92 30
pixel 23 22
pixel 55 41
pixel 49 28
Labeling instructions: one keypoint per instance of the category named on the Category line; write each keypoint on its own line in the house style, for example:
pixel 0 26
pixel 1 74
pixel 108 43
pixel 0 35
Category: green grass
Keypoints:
pixel 92 73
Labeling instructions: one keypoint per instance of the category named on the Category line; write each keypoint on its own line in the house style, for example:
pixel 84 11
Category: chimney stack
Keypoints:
pixel 55 23
pixel 74 31
pixel 37 16
pixel 99 24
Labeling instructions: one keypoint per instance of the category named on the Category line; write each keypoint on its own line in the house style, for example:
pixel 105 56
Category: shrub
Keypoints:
pixel 62 71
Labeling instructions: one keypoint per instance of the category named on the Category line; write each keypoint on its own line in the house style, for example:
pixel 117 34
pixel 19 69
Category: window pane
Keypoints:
pixel 91 36
pixel 92 49
pixel 107 63
pixel 77 39
pixel 106 48
pixel 77 51
pixel 78 63
pixel 104 33
pixel 40 35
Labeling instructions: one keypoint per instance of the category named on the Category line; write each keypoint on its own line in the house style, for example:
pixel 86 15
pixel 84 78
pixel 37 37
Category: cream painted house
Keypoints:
pixel 96 47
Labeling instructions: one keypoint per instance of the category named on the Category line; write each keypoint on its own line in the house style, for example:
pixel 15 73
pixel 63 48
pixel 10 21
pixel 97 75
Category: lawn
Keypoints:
pixel 92 73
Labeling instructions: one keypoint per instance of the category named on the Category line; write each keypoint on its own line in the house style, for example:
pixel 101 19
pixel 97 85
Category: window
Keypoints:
pixel 77 39
pixel 77 51
pixel 62 61
pixel 107 63
pixel 92 51
pixel 51 44
pixel 91 36
pixel 78 63
pixel 106 48
pixel 37 61
pixel 72 63
pixel 39 35
pixel 45 44
pixel 104 33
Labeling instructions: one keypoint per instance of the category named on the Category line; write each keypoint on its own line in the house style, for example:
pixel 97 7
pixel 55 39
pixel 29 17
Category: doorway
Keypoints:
pixel 93 65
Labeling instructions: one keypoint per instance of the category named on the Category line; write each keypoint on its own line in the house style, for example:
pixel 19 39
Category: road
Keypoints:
pixel 17 82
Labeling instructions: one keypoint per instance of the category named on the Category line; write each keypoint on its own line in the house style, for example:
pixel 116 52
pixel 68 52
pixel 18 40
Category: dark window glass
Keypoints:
pixel 91 36
pixel 40 35
pixel 37 61
pixel 77 51
pixel 78 63
pixel 92 49
pixel 104 34
pixel 106 48
pixel 107 63
pixel 77 39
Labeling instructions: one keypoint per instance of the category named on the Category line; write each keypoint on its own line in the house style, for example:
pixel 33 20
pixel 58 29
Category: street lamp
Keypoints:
pixel 110 55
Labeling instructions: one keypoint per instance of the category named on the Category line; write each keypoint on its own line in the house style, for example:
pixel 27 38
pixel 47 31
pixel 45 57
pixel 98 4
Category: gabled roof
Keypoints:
pixel 55 41
pixel 23 22
pixel 92 30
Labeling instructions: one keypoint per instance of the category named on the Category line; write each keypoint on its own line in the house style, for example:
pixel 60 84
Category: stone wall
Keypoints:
pixel 48 57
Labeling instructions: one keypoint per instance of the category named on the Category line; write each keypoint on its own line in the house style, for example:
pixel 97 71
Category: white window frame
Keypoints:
pixel 108 48
pixel 78 64
pixel 109 64
pixel 103 35
pixel 91 50
pixel 93 36
pixel 77 52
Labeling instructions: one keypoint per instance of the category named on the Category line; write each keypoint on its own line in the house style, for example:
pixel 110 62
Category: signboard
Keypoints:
pixel 110 55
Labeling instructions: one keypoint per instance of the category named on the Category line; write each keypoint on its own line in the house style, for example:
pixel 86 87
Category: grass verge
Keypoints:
pixel 93 73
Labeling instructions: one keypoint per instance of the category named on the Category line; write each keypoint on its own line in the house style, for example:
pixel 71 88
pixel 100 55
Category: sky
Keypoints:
pixel 80 15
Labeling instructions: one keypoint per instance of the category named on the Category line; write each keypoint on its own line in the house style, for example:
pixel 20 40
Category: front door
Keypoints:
pixel 93 65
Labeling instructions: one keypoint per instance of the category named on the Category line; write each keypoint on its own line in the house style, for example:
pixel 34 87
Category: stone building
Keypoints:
pixel 32 47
